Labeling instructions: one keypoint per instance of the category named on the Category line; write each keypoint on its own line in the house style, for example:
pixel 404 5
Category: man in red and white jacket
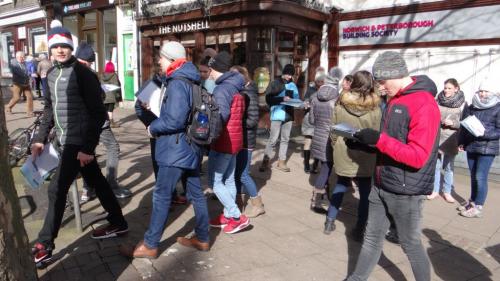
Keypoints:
pixel 407 147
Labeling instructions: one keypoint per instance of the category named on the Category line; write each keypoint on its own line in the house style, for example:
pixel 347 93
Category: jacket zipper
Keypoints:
pixel 384 128
pixel 55 107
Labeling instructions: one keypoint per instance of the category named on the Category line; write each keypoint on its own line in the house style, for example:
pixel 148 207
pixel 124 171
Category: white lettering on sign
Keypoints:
pixel 446 25
pixel 184 27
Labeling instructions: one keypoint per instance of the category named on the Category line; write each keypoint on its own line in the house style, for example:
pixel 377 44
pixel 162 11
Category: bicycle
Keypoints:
pixel 20 140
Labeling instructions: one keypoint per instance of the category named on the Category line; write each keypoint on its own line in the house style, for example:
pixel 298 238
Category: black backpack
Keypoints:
pixel 204 123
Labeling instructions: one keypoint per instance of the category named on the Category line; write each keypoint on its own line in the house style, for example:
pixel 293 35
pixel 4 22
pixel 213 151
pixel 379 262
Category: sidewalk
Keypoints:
pixel 286 243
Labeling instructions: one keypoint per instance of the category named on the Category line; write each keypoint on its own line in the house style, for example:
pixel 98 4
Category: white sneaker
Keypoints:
pixel 432 195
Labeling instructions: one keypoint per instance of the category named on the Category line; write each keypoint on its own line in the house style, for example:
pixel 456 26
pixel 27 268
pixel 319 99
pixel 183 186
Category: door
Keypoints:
pixel 128 69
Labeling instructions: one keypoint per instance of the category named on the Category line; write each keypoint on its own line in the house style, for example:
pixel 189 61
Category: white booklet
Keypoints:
pixel 109 87
pixel 344 130
pixel 37 170
pixel 152 95
pixel 473 125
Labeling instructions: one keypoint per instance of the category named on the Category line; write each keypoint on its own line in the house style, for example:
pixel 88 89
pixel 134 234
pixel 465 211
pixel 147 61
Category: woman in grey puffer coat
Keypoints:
pixel 320 116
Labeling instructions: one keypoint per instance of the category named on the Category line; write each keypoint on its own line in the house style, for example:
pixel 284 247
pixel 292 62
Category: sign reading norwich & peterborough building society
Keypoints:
pixel 184 27
pixel 459 24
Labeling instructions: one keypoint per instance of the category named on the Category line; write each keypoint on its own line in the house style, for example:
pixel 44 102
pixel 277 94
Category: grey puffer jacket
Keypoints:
pixel 487 144
pixel 251 116
pixel 307 128
pixel 73 105
pixel 320 116
pixel 448 138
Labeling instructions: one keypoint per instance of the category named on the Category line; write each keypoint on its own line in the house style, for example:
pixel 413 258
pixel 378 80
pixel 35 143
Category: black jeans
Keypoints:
pixel 407 212
pixel 66 172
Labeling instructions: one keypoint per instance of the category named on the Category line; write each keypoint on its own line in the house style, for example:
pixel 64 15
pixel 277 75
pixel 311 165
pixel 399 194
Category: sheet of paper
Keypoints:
pixel 344 130
pixel 293 102
pixel 151 94
pixel 36 171
pixel 109 87
pixel 473 125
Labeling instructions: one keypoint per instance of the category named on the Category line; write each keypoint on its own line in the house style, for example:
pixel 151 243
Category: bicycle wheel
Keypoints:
pixel 18 145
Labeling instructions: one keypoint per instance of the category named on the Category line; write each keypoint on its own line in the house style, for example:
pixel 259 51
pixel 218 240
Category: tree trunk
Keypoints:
pixel 16 263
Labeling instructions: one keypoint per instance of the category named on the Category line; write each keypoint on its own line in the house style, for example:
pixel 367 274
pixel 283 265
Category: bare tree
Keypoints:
pixel 16 263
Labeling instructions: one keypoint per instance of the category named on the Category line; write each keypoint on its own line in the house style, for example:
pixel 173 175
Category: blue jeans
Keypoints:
pixel 242 173
pixel 364 185
pixel 222 167
pixel 162 197
pixel 479 166
pixel 446 162
pixel 406 210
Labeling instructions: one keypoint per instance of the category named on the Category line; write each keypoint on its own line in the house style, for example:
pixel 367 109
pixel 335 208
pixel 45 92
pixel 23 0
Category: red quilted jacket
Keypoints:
pixel 230 140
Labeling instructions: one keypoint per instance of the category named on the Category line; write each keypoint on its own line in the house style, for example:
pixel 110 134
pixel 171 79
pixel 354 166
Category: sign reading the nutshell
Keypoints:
pixel 184 27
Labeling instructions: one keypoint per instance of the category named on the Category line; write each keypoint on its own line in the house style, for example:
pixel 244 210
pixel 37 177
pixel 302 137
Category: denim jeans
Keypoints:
pixel 242 173
pixel 406 210
pixel 162 197
pixel 222 167
pixel 282 130
pixel 479 167
pixel 364 185
pixel 446 162
pixel 107 138
pixel 324 174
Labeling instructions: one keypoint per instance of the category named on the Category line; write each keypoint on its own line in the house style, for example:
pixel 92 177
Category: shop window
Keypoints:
pixel 264 40
pixel 7 52
pixel 302 45
pixel 110 51
pixel 90 20
pixel 285 41
pixel 71 23
pixel 225 41
pixel 211 40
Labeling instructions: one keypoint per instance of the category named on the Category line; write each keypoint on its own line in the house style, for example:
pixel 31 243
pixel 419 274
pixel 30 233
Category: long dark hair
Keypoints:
pixel 363 83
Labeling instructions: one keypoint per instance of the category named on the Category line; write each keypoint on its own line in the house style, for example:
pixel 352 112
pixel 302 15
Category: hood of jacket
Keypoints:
pixel 421 83
pixel 355 104
pixel 232 78
pixel 327 93
pixel 330 80
pixel 188 70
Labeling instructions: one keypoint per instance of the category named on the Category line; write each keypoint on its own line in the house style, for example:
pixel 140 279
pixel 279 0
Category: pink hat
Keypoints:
pixel 109 68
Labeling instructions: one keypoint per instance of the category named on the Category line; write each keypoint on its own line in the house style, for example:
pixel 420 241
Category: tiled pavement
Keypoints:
pixel 286 243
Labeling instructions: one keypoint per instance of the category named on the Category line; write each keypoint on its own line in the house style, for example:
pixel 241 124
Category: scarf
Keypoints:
pixel 485 103
pixel 454 101
pixel 176 64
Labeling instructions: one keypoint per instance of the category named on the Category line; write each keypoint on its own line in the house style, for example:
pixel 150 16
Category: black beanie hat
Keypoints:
pixel 289 69
pixel 221 62
pixel 85 52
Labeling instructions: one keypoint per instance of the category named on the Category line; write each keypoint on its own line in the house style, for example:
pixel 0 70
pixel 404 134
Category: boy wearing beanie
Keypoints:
pixel 74 106
pixel 407 147
pixel 222 156
pixel 176 156
pixel 278 91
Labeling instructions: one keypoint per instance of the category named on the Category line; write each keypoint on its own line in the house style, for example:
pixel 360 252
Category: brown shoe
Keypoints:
pixel 140 251
pixel 282 166
pixel 193 242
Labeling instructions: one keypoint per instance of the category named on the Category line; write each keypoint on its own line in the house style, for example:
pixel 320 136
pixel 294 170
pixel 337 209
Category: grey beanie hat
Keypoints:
pixel 389 65
pixel 173 50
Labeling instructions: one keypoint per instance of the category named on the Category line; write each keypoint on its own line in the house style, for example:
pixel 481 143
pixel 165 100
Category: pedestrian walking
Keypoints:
pixel 481 150
pixel 74 106
pixel 20 84
pixel 112 97
pixel 407 147
pixel 43 67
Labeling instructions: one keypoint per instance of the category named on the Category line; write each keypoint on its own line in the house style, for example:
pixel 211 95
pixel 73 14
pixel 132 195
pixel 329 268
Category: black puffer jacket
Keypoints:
pixel 487 144
pixel 251 115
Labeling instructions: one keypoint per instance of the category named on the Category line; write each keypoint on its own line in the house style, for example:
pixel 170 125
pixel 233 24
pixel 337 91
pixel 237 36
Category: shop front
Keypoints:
pixel 262 38
pixel 444 39
pixel 21 30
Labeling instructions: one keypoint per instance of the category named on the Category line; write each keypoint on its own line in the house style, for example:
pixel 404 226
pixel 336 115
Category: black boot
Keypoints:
pixel 314 169
pixel 329 226
pixel 307 157
pixel 265 164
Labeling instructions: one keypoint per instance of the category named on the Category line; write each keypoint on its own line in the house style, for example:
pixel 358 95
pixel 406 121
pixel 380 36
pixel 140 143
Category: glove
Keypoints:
pixel 355 145
pixel 367 136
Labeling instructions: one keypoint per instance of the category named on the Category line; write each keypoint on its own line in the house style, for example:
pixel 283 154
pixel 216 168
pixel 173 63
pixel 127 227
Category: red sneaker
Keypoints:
pixel 219 222
pixel 236 225
pixel 41 253
pixel 179 200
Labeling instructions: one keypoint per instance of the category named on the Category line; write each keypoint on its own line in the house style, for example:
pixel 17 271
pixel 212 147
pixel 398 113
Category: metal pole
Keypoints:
pixel 76 206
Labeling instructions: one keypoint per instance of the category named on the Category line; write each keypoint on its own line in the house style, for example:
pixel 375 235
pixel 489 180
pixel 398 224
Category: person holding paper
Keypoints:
pixel 451 103
pixel 74 107
pixel 481 150
pixel 278 91
pixel 111 78
pixel 358 107
pixel 320 116
pixel 407 146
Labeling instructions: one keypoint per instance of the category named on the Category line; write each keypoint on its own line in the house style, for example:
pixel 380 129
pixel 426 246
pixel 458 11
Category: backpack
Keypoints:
pixel 204 123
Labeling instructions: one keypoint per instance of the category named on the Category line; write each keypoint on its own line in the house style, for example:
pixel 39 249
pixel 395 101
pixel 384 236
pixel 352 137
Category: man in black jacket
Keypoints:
pixel 74 108
pixel 20 84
